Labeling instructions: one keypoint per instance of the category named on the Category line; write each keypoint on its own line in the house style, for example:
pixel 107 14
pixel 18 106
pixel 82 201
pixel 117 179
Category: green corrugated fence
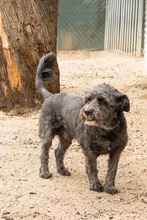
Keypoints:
pixel 81 24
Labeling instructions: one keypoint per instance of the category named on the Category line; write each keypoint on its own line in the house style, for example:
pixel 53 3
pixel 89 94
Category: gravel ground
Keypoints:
pixel 23 195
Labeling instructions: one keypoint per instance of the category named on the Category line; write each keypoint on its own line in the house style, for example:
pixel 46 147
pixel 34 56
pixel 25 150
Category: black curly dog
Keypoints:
pixel 95 120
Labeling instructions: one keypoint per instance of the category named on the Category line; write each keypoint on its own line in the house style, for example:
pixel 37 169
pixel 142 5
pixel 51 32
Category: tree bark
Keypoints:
pixel 28 29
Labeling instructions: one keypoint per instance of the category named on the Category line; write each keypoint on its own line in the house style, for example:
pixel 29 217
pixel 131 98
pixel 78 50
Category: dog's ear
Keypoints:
pixel 123 102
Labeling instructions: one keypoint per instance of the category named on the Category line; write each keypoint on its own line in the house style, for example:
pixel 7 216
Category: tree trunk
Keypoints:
pixel 28 29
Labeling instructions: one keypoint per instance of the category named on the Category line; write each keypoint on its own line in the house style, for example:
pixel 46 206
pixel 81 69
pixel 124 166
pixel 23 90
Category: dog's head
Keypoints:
pixel 103 106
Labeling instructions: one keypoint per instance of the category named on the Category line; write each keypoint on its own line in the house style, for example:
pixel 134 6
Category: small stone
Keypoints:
pixel 6 213
pixel 78 213
pixel 32 193
pixel 8 218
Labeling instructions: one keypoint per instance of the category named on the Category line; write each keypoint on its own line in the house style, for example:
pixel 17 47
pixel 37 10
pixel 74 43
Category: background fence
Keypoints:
pixel 86 24
pixel 124 23
pixel 81 24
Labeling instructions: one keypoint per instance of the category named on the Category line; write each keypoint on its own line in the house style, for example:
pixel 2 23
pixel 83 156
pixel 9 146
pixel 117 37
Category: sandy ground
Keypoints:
pixel 23 195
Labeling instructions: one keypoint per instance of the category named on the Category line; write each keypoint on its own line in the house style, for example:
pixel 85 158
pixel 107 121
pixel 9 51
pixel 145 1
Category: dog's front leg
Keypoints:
pixel 111 173
pixel 91 170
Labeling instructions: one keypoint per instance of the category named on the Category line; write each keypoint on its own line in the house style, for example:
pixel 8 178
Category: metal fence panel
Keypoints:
pixel 81 24
pixel 124 23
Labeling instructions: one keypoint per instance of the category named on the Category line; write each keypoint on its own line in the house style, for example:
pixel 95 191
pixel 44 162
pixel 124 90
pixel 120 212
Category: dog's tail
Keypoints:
pixel 45 73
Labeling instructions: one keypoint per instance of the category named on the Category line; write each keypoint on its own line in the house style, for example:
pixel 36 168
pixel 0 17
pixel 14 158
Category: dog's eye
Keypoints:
pixel 102 101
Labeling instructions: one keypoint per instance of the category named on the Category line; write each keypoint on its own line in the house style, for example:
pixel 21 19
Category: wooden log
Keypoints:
pixel 28 29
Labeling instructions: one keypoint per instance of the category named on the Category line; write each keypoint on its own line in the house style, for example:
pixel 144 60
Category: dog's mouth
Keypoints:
pixel 86 115
pixel 91 123
pixel 91 120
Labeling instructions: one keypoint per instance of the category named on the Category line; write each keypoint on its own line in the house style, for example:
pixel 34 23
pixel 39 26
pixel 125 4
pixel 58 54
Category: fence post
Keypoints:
pixel 139 29
pixel 106 27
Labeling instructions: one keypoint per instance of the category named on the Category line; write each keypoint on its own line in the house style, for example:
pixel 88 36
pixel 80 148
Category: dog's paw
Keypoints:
pixel 64 172
pixel 110 189
pixel 96 187
pixel 44 174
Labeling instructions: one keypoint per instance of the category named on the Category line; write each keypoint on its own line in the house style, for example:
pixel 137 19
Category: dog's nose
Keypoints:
pixel 87 112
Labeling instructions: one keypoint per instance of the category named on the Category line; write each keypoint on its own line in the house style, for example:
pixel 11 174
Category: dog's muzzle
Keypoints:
pixel 88 116
pixel 90 119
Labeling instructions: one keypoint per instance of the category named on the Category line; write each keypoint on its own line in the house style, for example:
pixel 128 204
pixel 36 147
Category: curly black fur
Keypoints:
pixel 96 121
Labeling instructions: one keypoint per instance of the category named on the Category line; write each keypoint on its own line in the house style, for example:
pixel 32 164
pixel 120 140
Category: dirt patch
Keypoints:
pixel 23 195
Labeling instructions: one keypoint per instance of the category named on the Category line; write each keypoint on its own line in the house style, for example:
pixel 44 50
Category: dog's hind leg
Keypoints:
pixel 59 154
pixel 45 146
pixel 91 170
